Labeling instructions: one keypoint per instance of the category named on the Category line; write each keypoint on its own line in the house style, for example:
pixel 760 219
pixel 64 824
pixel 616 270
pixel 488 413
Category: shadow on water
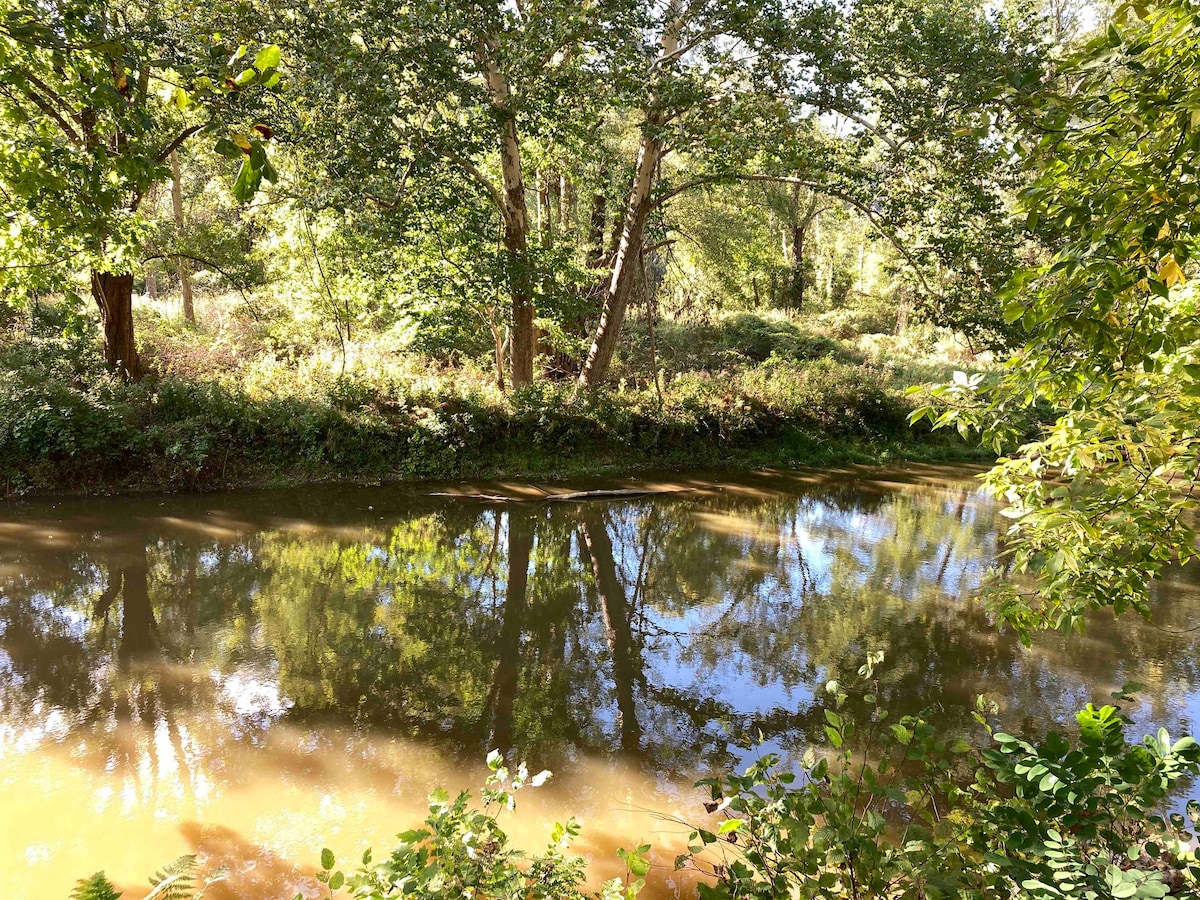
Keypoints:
pixel 252 677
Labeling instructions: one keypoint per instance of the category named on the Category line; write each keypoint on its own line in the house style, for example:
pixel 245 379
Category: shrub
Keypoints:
pixel 463 851
pixel 849 322
pixel 65 422
pixel 939 818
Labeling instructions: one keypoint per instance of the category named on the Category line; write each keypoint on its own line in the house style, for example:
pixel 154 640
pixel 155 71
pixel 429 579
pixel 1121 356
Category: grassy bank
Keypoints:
pixel 222 410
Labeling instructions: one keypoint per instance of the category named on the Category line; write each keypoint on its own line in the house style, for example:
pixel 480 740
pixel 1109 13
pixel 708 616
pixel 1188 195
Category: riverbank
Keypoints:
pixel 750 393
pixel 178 435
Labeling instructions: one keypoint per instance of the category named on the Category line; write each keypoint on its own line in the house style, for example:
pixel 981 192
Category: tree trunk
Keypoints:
pixel 599 215
pixel 626 665
pixel 798 233
pixel 114 296
pixel 516 243
pixel 498 344
pixel 566 204
pixel 516 223
pixel 508 664
pixel 547 189
pixel 625 262
pixel 624 265
pixel 801 221
pixel 185 273
pixel 651 297
pixel 547 208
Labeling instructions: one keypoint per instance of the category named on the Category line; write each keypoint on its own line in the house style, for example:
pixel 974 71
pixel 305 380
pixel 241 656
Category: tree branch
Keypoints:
pixel 663 59
pixel 471 169
pixel 47 264
pixel 892 143
pixel 52 94
pixel 46 107
pixel 401 189
pixel 212 265
pixel 177 143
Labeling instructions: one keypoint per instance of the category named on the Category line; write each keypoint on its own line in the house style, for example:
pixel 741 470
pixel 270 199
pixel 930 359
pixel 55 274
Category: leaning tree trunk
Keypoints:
pixel 114 296
pixel 625 262
pixel 618 615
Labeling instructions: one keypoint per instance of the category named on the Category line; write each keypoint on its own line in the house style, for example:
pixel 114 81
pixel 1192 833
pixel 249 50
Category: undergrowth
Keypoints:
pixel 219 411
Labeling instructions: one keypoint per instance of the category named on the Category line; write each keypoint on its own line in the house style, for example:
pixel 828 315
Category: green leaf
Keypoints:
pixel 228 148
pixel 267 58
pixel 247 182
pixel 97 887
pixel 327 860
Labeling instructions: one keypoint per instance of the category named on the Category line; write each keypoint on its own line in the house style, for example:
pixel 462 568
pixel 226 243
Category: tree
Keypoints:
pixel 1101 498
pixel 97 96
pixel 185 272
pixel 717 69
pixel 423 101
pixel 743 92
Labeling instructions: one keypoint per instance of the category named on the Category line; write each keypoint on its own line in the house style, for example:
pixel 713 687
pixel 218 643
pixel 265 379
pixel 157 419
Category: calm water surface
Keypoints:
pixel 254 676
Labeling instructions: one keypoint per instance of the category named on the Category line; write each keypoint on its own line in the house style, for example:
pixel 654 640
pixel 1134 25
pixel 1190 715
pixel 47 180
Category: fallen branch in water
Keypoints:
pixel 568 497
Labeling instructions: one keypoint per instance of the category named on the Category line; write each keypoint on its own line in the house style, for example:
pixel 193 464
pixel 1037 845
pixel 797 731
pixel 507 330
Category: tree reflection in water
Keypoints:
pixel 164 640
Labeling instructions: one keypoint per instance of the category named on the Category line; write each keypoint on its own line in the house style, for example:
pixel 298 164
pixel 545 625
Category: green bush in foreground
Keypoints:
pixel 463 852
pixel 936 818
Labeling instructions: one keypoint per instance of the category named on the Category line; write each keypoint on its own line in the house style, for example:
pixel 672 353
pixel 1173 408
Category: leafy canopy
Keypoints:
pixel 1101 500
pixel 95 96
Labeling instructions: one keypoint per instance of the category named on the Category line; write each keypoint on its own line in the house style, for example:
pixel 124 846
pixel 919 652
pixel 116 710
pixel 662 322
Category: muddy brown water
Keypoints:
pixel 254 676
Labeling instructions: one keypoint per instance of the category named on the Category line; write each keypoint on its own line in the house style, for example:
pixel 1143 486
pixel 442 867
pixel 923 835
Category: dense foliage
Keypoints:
pixel 1102 501
pixel 489 235
pixel 747 390
pixel 939 818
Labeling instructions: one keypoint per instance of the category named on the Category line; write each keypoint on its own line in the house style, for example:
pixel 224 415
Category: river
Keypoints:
pixel 254 676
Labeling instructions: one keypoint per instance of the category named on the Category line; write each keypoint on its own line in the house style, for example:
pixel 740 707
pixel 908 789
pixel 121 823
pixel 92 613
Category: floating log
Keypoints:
pixel 616 492
pixel 573 496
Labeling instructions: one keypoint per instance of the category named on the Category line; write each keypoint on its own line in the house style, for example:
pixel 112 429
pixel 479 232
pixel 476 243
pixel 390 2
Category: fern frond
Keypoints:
pixel 174 880
pixel 98 887
pixel 218 875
